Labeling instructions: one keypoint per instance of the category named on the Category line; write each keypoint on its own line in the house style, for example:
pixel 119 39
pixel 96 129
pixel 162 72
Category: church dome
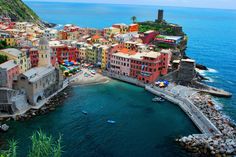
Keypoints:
pixel 43 41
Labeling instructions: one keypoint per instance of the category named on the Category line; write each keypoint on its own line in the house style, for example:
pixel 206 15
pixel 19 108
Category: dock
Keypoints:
pixel 177 96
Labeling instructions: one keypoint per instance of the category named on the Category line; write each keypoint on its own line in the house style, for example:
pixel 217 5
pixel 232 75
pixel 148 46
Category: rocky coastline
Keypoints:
pixel 223 144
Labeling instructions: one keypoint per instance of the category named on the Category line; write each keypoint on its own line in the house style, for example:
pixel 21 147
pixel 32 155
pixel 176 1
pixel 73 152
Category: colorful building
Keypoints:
pixel 82 54
pixel 133 28
pixel 64 52
pixel 131 45
pixel 62 35
pixel 110 32
pixel 92 53
pixel 167 41
pixel 120 62
pixel 10 41
pixel 148 66
pixel 34 57
pixel 148 36
pixel 104 57
pixel 123 27
pixel 20 58
pixel 8 72
pixel 95 38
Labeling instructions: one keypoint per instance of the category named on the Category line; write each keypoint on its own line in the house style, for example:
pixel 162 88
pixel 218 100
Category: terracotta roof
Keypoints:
pixel 127 51
pixel 95 37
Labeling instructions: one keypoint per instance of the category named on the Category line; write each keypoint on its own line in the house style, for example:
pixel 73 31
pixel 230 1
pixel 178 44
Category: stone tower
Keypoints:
pixel 44 53
pixel 160 15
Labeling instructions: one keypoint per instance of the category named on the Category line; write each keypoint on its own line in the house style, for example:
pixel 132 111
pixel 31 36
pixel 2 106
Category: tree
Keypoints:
pixel 134 19
pixel 42 146
pixel 66 74
pixel 3 58
pixel 3 44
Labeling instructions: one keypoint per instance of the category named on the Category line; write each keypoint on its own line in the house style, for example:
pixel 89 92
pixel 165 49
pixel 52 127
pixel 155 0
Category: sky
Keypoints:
pixel 222 4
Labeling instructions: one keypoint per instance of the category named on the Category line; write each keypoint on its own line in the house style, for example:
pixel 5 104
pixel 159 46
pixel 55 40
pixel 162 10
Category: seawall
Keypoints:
pixel 198 118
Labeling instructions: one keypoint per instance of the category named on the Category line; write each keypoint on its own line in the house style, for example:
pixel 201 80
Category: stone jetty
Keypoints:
pixel 217 145
pixel 218 136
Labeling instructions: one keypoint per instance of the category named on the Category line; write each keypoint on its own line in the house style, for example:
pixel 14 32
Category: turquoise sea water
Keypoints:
pixel 143 128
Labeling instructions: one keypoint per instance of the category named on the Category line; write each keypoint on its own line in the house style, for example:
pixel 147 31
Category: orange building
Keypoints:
pixel 62 35
pixel 133 28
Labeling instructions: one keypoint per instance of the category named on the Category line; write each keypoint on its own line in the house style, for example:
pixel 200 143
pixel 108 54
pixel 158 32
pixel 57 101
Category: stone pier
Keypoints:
pixel 198 118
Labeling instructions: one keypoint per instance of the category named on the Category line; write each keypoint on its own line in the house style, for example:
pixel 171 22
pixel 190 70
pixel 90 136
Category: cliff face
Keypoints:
pixel 18 11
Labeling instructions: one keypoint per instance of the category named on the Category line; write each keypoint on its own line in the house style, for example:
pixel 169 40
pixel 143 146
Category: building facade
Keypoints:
pixel 20 58
pixel 8 72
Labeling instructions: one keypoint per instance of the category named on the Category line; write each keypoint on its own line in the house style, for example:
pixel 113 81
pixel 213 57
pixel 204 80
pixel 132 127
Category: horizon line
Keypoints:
pixel 69 1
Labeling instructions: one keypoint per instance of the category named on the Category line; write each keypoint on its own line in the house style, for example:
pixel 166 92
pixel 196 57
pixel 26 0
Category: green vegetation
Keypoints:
pixel 160 36
pixel 164 46
pixel 134 19
pixel 3 44
pixel 18 11
pixel 162 27
pixel 3 58
pixel 42 146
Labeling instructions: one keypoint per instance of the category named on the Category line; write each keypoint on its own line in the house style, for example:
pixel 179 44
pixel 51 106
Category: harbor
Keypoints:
pixel 81 72
pixel 138 124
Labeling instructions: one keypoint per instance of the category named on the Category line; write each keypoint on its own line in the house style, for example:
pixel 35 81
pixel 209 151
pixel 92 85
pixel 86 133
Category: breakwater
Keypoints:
pixel 218 132
pixel 198 118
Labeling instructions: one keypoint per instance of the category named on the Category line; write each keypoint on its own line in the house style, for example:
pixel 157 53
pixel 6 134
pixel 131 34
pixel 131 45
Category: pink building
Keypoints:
pixel 113 49
pixel 120 62
pixel 8 72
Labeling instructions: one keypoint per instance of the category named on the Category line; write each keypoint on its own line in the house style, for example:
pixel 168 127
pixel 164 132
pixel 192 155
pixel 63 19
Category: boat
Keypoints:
pixel 158 99
pixel 93 72
pixel 4 127
pixel 84 112
pixel 111 121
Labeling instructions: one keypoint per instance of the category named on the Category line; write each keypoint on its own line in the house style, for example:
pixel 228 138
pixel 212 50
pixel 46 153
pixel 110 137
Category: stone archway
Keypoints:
pixel 39 99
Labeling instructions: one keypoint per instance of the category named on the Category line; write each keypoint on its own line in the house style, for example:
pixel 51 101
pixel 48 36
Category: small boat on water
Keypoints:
pixel 4 127
pixel 111 121
pixel 84 112
pixel 158 99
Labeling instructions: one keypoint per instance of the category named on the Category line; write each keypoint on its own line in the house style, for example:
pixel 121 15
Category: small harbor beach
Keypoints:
pixel 87 78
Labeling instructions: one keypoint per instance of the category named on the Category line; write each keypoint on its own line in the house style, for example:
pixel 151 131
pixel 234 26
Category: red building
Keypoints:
pixel 133 28
pixel 149 36
pixel 148 66
pixel 64 52
pixel 34 57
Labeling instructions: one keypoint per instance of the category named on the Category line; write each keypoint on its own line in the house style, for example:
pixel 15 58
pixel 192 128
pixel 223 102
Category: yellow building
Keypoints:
pixel 82 53
pixel 20 58
pixel 10 41
pixel 109 32
pixel 104 57
pixel 91 54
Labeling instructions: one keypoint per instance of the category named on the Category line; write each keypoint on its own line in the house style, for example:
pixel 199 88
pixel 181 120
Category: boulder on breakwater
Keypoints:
pixel 215 145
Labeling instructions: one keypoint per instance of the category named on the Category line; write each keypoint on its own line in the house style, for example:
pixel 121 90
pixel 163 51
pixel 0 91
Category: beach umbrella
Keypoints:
pixel 166 82
pixel 71 63
pixel 162 84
